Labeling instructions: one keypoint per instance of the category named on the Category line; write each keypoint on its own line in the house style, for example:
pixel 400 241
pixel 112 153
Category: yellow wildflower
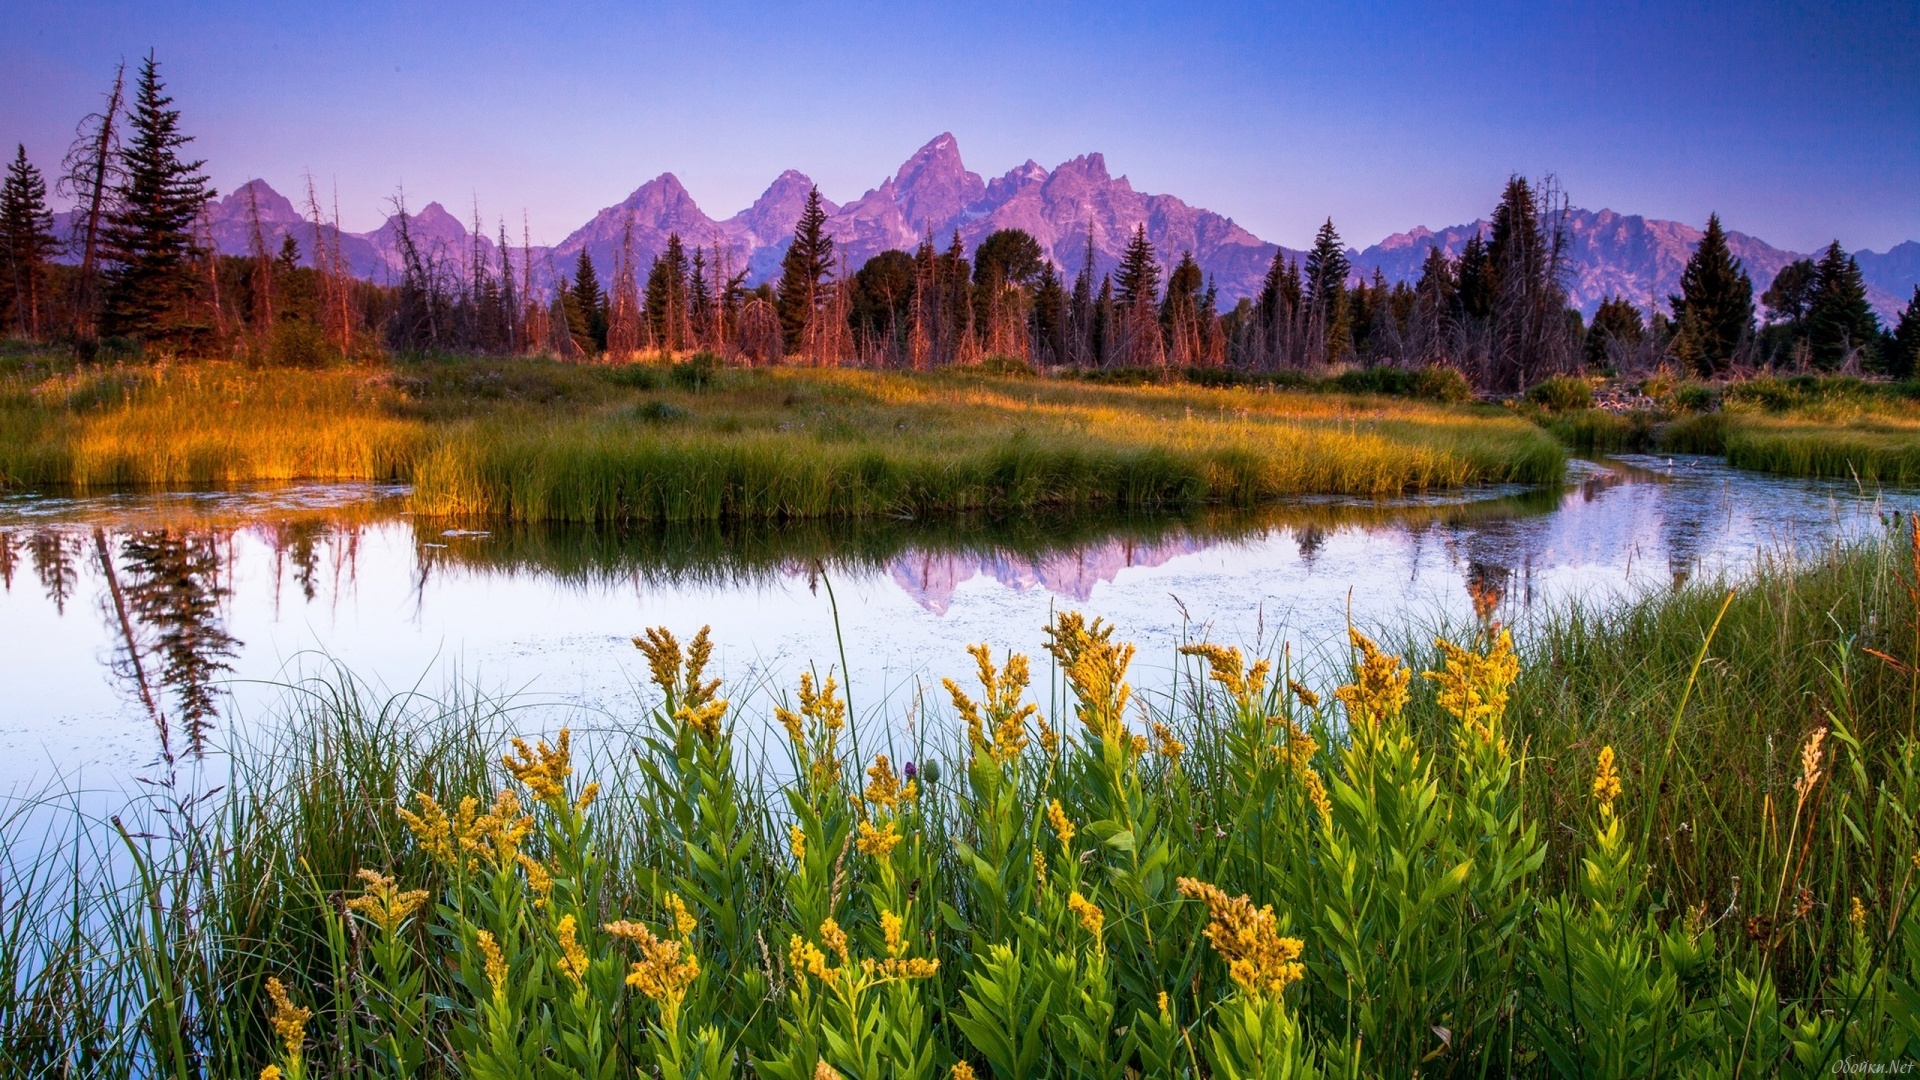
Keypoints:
pixel 271 1072
pixel 442 836
pixel 1096 671
pixel 1003 710
pixel 1163 1003
pixel 1260 961
pixel 498 833
pixel 496 963
pixel 1606 781
pixel 879 842
pixel 797 841
pixel 893 930
pixel 1039 868
pixel 1317 793
pixel 1049 739
pixel 543 769
pixel 1473 687
pixel 1090 916
pixel 1062 825
pixel 961 1071
pixel 834 938
pixel 1137 744
pixel 1307 697
pixel 289 1020
pixel 665 968
pixel 802 955
pixel 824 1071
pixel 539 878
pixel 1858 915
pixel 883 785
pixel 587 795
pixel 573 958
pixel 1300 747
pixel 1379 689
pixel 383 903
pixel 1168 746
pixel 1227 667
pixel 683 920
pixel 1810 756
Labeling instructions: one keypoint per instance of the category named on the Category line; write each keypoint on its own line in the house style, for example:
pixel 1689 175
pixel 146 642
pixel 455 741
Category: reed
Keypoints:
pixel 1676 837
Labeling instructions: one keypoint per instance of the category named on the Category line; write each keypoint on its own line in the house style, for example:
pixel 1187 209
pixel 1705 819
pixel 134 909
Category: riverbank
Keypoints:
pixel 1737 777
pixel 536 440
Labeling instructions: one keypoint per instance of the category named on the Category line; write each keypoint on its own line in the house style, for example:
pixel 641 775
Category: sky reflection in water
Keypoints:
pixel 224 597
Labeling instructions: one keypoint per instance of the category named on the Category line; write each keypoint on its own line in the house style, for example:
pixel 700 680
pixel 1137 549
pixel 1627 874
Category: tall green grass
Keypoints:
pixel 1465 904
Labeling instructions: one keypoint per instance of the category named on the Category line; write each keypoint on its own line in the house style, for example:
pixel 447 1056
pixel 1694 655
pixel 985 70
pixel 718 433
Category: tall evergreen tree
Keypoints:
pixel 1902 359
pixel 1050 316
pixel 1137 280
pixel 26 244
pixel 668 313
pixel 1714 309
pixel 1839 319
pixel 1616 325
pixel 1326 283
pixel 149 236
pixel 1477 285
pixel 803 272
pixel 589 306
pixel 1272 305
pixel 1182 304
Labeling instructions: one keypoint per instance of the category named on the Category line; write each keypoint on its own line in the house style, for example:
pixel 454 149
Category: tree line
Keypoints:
pixel 141 267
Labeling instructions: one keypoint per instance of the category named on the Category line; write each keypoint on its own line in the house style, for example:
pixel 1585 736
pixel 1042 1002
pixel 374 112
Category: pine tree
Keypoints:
pixel 149 236
pixel 1326 285
pixel 26 243
pixel 1475 274
pixel 803 273
pixel 1714 310
pixel 1616 326
pixel 1137 281
pixel 1902 359
pixel 587 313
pixel 1839 319
pixel 1180 312
pixel 1050 316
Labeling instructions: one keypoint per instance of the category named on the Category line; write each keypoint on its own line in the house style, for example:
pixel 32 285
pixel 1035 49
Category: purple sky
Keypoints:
pixel 1799 124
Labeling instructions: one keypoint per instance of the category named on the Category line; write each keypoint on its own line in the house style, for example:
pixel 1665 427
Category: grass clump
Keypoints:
pixel 1677 838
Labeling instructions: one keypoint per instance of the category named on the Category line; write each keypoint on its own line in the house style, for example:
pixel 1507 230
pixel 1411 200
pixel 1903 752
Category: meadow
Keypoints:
pixel 535 440
pixel 1670 837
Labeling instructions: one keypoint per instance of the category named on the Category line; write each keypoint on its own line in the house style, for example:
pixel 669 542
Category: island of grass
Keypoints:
pixel 539 440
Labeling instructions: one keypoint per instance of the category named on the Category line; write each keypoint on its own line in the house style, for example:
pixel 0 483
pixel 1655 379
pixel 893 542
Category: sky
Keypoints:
pixel 1799 124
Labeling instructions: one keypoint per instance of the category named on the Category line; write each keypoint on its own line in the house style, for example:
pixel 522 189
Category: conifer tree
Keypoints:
pixel 1180 313
pixel 803 272
pixel 1714 310
pixel 1616 326
pixel 1137 281
pixel 1326 283
pixel 587 313
pixel 1270 304
pixel 1476 280
pixel 1839 319
pixel 1050 316
pixel 1902 359
pixel 26 244
pixel 149 236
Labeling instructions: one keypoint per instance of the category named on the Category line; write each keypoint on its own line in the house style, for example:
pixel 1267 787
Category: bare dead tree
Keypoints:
pixel 89 174
pixel 261 308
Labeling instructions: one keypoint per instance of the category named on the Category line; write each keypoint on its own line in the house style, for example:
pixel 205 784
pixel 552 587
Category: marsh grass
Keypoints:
pixel 1457 861
pixel 535 440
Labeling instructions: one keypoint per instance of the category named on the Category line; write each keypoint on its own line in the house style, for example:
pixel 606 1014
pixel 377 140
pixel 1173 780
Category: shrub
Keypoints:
pixel 1562 393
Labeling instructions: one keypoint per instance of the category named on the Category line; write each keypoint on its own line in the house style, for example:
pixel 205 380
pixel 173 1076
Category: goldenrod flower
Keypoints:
pixel 879 842
pixel 1379 689
pixel 1857 915
pixel 497 834
pixel 1168 746
pixel 1138 744
pixel 1473 687
pixel 683 920
pixel 289 1020
pixel 690 701
pixel 961 1071
pixel 1606 781
pixel 383 903
pixel 802 955
pixel 1049 739
pixel 1260 961
pixel 1163 1003
pixel 1096 671
pixel 271 1072
pixel 1039 868
pixel 824 1071
pixel 1810 756
pixel 1062 825
pixel 496 963
pixel 883 786
pixel 539 878
pixel 573 958
pixel 1307 697
pixel 1300 747
pixel 543 769
pixel 587 795
pixel 1227 667
pixel 665 968
pixel 442 836
pixel 703 719
pixel 893 931
pixel 1317 793
pixel 834 938
pixel 797 841
pixel 1090 916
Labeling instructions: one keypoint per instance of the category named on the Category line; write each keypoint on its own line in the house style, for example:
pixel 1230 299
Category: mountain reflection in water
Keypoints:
pixel 161 596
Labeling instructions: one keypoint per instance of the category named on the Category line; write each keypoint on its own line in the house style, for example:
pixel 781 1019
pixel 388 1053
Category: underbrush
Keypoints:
pixel 1674 838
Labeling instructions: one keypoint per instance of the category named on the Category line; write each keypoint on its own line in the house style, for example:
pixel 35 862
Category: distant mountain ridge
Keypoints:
pixel 933 194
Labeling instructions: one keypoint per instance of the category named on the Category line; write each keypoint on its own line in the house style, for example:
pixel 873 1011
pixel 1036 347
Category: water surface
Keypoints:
pixel 135 624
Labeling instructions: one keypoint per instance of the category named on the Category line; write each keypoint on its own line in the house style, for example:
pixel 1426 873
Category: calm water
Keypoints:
pixel 129 621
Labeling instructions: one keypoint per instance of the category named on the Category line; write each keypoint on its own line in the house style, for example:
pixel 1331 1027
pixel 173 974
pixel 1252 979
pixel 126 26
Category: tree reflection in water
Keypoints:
pixel 167 591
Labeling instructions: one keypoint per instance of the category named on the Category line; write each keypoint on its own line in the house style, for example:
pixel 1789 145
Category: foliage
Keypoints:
pixel 1562 393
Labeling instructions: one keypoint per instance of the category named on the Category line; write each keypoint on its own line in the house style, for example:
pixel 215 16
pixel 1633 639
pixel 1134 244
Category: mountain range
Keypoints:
pixel 933 194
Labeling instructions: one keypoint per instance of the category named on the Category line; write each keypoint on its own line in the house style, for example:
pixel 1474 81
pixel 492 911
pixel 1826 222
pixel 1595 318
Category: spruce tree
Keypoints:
pixel 1270 305
pixel 1839 319
pixel 803 272
pixel 149 236
pixel 1326 283
pixel 1714 309
pixel 1182 304
pixel 1615 322
pixel 1902 359
pixel 589 306
pixel 26 244
pixel 1137 280
pixel 1050 314
pixel 1477 285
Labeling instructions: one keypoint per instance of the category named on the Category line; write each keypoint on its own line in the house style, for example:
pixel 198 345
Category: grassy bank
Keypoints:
pixel 533 440
pixel 1669 838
